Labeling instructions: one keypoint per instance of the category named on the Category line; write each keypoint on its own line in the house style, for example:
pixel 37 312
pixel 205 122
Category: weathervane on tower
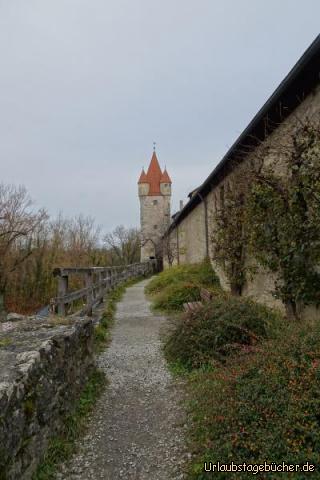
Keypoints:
pixel 154 146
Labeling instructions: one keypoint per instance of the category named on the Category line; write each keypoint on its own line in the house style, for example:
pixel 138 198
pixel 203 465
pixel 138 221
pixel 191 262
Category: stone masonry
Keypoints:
pixel 44 364
pixel 155 197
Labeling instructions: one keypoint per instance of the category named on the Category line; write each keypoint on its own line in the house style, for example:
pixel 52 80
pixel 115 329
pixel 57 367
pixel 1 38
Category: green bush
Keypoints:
pixel 200 274
pixel 174 296
pixel 178 285
pixel 260 407
pixel 217 329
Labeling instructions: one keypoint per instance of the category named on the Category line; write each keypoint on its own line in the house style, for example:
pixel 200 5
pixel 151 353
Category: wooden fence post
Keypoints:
pixel 89 296
pixel 102 276
pixel 112 277
pixel 62 290
pixel 98 281
pixel 108 280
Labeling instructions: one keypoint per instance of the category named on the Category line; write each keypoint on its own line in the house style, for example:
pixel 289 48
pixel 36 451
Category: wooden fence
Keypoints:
pixel 98 281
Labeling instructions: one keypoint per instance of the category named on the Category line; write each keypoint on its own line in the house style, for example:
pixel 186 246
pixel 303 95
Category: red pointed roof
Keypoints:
pixel 165 177
pixel 143 177
pixel 154 175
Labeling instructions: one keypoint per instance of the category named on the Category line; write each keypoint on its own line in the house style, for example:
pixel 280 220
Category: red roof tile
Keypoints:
pixel 154 175
pixel 165 177
pixel 143 177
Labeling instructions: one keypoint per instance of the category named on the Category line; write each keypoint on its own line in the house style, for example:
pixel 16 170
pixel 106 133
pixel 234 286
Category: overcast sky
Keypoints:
pixel 86 86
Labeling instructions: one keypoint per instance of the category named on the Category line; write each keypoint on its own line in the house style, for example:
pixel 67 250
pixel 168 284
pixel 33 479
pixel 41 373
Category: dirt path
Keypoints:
pixel 136 429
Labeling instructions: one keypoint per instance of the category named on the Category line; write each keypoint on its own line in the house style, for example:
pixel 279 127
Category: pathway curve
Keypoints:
pixel 136 430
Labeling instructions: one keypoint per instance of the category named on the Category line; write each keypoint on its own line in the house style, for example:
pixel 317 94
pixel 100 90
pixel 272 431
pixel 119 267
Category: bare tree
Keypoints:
pixel 124 244
pixel 82 238
pixel 18 223
pixel 57 242
pixel 169 248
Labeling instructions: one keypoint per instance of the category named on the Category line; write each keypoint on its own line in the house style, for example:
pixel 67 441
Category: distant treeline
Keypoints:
pixel 32 244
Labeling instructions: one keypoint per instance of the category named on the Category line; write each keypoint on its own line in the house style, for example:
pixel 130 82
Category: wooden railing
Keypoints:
pixel 98 281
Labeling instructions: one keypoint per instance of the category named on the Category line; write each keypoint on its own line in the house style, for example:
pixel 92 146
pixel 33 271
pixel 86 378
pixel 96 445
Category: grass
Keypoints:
pixel 181 284
pixel 198 273
pixel 253 382
pixel 63 445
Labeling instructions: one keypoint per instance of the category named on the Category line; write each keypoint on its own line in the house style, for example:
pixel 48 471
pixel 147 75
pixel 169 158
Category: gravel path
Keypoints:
pixel 136 431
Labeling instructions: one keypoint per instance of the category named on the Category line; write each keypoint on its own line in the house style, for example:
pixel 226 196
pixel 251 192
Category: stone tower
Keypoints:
pixel 155 197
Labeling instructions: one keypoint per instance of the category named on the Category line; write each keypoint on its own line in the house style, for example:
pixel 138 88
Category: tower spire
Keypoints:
pixel 155 195
pixel 143 177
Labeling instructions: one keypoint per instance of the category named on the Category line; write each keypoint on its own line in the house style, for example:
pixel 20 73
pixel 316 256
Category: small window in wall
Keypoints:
pixel 155 202
pixel 155 227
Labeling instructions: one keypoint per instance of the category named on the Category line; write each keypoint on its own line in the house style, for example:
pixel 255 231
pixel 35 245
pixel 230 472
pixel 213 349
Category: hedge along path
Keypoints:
pixel 137 428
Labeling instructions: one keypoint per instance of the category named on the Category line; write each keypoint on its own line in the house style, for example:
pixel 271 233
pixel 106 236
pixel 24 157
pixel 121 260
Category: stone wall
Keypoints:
pixel 191 230
pixel 195 235
pixel 44 363
pixel 154 220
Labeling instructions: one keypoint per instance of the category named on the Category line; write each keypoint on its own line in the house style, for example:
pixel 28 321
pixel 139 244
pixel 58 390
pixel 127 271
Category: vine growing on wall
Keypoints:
pixel 272 214
pixel 230 234
pixel 283 211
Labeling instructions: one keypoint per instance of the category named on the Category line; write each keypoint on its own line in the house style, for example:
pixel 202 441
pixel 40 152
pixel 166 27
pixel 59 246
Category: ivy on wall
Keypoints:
pixel 274 216
pixel 230 235
pixel 284 220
